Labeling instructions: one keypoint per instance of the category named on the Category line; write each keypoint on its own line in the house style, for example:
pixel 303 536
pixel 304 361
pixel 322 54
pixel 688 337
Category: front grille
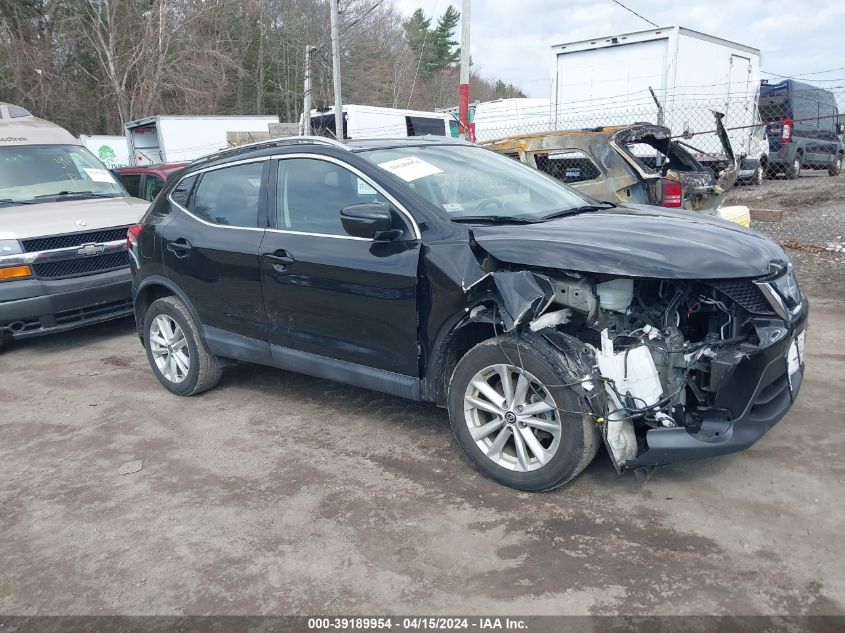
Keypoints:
pixel 82 265
pixel 746 294
pixel 73 239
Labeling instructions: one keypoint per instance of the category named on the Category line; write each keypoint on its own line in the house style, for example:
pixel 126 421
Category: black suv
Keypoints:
pixel 436 270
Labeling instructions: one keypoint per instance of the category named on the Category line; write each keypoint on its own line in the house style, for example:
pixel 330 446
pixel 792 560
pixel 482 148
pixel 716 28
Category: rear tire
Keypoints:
pixel 793 170
pixel 535 440
pixel 836 167
pixel 175 351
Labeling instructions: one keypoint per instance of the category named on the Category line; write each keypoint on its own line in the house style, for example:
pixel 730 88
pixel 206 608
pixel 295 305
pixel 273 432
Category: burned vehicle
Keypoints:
pixel 638 163
pixel 544 321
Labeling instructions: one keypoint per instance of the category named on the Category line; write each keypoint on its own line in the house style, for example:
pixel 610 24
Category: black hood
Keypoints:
pixel 636 241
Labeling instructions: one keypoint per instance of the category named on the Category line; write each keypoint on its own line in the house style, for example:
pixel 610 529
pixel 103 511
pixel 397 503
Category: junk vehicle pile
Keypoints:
pixel 436 270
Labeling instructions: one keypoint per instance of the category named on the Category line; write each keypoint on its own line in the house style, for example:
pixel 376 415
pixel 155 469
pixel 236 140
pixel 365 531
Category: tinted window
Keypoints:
pixel 152 186
pixel 568 166
pixel 311 193
pixel 420 126
pixel 132 183
pixel 182 191
pixel 229 196
pixel 16 112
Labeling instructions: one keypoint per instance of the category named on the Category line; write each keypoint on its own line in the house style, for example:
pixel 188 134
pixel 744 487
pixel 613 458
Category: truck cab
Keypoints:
pixel 63 221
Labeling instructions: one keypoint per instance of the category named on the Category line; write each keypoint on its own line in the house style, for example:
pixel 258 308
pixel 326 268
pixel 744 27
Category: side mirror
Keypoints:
pixel 366 220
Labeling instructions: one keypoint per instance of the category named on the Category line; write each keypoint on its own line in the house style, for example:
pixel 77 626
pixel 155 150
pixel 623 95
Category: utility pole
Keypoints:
pixel 463 91
pixel 338 103
pixel 306 105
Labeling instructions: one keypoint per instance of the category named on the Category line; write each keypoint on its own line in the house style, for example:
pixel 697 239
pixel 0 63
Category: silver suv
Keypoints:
pixel 63 222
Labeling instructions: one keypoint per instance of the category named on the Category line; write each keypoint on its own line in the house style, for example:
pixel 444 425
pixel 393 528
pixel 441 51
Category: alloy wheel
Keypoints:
pixel 169 348
pixel 512 418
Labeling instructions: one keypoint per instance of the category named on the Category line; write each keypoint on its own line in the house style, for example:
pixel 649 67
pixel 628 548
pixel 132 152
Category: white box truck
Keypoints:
pixel 175 139
pixel 362 121
pixel 606 81
pixel 509 117
pixel 113 151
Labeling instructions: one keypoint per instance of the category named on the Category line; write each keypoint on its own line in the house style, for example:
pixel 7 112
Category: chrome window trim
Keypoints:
pixel 406 215
pixel 245 161
pixel 409 219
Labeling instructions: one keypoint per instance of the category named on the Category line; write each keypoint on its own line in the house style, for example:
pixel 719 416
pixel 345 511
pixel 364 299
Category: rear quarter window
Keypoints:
pixel 569 166
pixel 182 192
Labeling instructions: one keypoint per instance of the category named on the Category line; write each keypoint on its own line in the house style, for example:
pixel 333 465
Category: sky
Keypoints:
pixel 511 39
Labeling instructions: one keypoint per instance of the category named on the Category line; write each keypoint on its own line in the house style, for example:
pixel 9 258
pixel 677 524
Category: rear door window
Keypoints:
pixel 569 165
pixel 229 196
pixel 152 186
pixel 132 184
pixel 420 126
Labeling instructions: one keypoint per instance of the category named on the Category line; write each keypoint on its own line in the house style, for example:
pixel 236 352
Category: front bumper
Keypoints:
pixel 34 307
pixel 772 392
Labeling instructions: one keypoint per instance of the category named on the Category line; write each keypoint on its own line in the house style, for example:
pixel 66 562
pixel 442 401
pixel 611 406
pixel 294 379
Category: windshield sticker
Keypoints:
pixel 411 168
pixel 453 206
pixel 364 189
pixel 98 175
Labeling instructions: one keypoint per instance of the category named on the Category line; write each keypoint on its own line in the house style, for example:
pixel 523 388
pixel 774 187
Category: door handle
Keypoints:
pixel 180 247
pixel 279 259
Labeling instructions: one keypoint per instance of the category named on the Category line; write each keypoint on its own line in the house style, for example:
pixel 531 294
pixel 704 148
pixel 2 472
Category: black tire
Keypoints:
pixel 793 170
pixel 203 368
pixel 579 438
pixel 4 340
pixel 836 167
pixel 759 174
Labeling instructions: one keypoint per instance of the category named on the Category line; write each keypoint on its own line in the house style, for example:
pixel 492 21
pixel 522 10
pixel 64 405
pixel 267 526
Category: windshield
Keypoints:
pixel 471 182
pixel 46 173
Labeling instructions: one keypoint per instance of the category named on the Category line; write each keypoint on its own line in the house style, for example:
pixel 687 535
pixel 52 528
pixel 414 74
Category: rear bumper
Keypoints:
pixel 34 307
pixel 774 393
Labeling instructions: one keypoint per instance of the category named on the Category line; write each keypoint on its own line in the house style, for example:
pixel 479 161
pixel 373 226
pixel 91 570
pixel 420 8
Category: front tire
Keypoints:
pixel 759 174
pixel 515 420
pixel 836 167
pixel 175 351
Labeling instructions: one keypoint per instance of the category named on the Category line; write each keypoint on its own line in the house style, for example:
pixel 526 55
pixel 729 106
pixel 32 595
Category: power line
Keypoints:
pixel 634 12
pixel 818 72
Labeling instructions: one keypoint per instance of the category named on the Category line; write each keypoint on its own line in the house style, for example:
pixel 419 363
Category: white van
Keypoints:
pixel 63 223
pixel 374 122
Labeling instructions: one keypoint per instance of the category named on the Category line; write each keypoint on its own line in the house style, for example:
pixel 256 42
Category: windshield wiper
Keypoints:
pixel 576 210
pixel 10 201
pixel 494 219
pixel 67 194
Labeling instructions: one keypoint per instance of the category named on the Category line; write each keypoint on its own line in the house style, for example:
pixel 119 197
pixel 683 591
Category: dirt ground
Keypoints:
pixel 277 493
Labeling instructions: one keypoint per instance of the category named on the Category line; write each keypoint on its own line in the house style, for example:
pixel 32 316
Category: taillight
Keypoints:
pixel 672 194
pixel 132 235
pixel 786 134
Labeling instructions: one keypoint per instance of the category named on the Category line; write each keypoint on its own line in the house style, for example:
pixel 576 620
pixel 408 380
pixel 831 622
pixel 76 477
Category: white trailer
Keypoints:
pixel 374 122
pixel 606 81
pixel 175 139
pixel 510 117
pixel 113 151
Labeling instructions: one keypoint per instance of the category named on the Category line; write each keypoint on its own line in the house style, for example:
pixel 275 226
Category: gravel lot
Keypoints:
pixel 814 216
pixel 277 493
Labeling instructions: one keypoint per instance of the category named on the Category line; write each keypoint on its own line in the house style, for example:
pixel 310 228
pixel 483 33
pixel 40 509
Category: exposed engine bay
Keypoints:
pixel 649 353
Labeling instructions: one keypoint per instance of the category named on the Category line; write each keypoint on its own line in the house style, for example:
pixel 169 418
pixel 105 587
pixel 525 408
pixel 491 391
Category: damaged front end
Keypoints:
pixel 669 369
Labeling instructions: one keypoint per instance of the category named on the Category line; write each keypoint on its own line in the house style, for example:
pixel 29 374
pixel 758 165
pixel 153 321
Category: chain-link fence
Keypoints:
pixel 781 136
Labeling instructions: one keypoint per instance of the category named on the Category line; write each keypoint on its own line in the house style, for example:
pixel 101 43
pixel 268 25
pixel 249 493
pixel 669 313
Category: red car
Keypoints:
pixel 145 182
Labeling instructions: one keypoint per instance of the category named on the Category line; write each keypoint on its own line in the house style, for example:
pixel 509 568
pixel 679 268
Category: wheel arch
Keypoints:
pixel 459 335
pixel 154 288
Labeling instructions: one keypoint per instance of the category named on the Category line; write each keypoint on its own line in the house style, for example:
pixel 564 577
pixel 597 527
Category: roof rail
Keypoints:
pixel 272 142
